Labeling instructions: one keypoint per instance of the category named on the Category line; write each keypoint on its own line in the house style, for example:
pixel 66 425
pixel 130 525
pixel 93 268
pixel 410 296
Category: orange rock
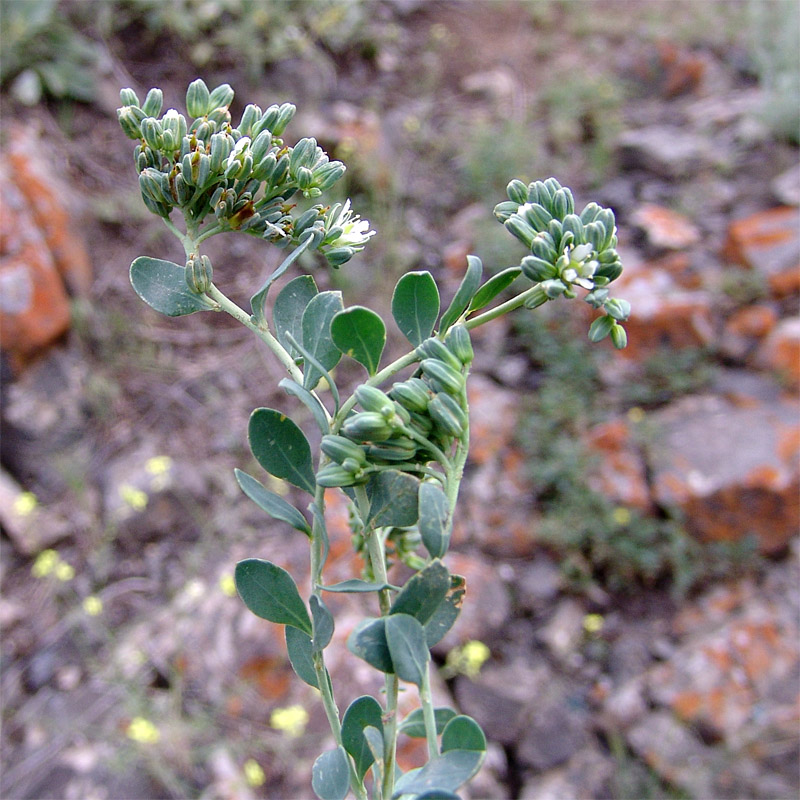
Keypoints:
pixel 34 310
pixel 781 351
pixel 666 228
pixel 756 321
pixel 769 243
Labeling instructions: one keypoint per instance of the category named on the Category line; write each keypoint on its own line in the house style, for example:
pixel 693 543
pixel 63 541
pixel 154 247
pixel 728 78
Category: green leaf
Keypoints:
pixel 463 733
pixel 407 648
pixel 493 287
pixel 444 773
pixel 322 622
pixel 270 593
pixel 317 339
pixel 281 448
pixel 423 593
pixel 374 738
pixel 414 724
pixel 330 775
pixel 368 642
pixel 355 586
pixel 162 285
pixel 464 294
pixel 313 362
pixel 437 794
pixel 272 503
pixel 415 306
pixel 287 311
pixel 447 612
pixel 434 522
pixel 360 334
pixel 362 712
pixel 298 646
pixel 393 499
pixel 308 400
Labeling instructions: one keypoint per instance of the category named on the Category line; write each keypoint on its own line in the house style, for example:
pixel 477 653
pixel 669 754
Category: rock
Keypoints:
pixel 786 186
pixel 665 150
pixel 586 774
pixel 620 472
pixel 746 328
pixel 781 351
pixel 768 242
pixel 675 753
pixel 537 584
pixel 664 228
pixel 665 314
pixel 731 469
pixel 563 634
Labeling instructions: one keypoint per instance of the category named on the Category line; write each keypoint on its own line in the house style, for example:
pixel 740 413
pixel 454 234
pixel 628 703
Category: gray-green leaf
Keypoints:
pixel 434 522
pixel 360 333
pixel 464 294
pixel 281 448
pixel 298 646
pixel 316 331
pixel 405 637
pixel 415 306
pixel 272 503
pixel 162 285
pixel 362 712
pixel 393 499
pixel 330 775
pixel 287 311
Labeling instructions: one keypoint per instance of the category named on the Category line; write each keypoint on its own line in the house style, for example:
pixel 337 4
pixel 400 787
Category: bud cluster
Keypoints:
pixel 405 427
pixel 244 176
pixel 568 250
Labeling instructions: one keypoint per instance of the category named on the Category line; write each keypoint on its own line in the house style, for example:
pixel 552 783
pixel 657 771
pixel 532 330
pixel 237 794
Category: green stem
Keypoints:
pixel 427 712
pixel 503 308
pixel 229 307
pixel 390 735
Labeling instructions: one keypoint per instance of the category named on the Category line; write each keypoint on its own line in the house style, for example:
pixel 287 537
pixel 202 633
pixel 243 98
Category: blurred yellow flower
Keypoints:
pixel 93 605
pixel 228 585
pixel 158 465
pixel 467 659
pixel 253 773
pixel 25 503
pixel 64 572
pixel 593 623
pixel 636 415
pixel 622 516
pixel 143 731
pixel 135 498
pixel 45 563
pixel 291 720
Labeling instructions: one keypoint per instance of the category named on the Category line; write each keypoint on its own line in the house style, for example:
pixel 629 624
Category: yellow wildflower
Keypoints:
pixel 25 503
pixel 135 498
pixel 143 731
pixel 253 773
pixel 64 572
pixel 227 585
pixel 593 623
pixel 292 720
pixel 93 605
pixel 45 563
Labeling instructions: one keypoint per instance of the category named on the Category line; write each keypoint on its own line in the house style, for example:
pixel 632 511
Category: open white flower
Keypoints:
pixel 355 232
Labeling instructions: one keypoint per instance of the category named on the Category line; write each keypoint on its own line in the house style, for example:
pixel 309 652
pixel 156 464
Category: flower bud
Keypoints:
pixel 400 449
pixel 199 274
pixel 553 288
pixel 183 191
pixel 152 103
pixel 447 415
pixel 619 337
pixel 128 97
pixel 339 449
pixel 370 398
pixel 250 115
pixel 563 203
pixel 334 475
pixel 517 192
pixel 537 215
pixel 413 394
pixel 367 426
pixel 284 117
pixel 619 309
pixel 436 348
pixel 327 175
pixel 537 269
pixel 451 380
pixel 130 120
pixel 589 214
pixel 339 256
pixel 305 177
pixel 260 145
pixel 152 132
pixel 459 343
pixel 536 298
pixel 573 224
pixel 518 227
pixel 600 328
pixel 221 97
pixel 597 298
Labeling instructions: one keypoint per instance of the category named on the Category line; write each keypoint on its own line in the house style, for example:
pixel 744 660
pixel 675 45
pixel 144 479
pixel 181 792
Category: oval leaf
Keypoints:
pixel 298 646
pixel 287 311
pixel 272 503
pixel 464 294
pixel 393 499
pixel 323 624
pixel 493 287
pixel 270 593
pixel 316 330
pixel 437 794
pixel 444 773
pixel 463 733
pixel 368 642
pixel 447 612
pixel 281 448
pixel 423 592
pixel 308 400
pixel 405 637
pixel 414 724
pixel 330 775
pixel 434 523
pixel 415 306
pixel 360 334
pixel 363 712
pixel 162 285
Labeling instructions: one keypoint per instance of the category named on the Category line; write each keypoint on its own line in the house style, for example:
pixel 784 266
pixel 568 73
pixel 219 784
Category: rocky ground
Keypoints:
pixel 130 670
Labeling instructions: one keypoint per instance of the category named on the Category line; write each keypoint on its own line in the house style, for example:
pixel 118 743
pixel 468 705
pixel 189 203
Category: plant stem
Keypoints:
pixel 503 308
pixel 427 712
pixel 229 307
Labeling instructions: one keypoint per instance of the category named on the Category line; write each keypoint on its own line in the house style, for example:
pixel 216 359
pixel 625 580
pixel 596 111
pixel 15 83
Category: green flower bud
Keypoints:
pixel 556 233
pixel 203 176
pixel 128 97
pixel 505 209
pixel 413 394
pixel 199 274
pixel 600 328
pixel 619 309
pixel 589 214
pixel 537 269
pixel 339 256
pixel 339 449
pixel 553 288
pixel 538 192
pixel 219 119
pixel 573 224
pixel 597 298
pixel 197 99
pixel 594 233
pixel 563 203
pixel 518 227
pixel 517 192
pixel 260 146
pixel 221 146
pixel 220 98
pixel 537 215
pixel 285 114
pixel 450 379
pixel 370 398
pixel 400 449
pixel 619 337
pixel 459 343
pixel 151 186
pixel 334 475
pixel 436 348
pixel 130 120
pixel 305 177
pixel 367 426
pixel 325 177
pixel 152 132
pixel 302 152
pixel 536 298
pixel 183 191
pixel 421 423
pixel 251 114
pixel 543 247
pixel 447 415
pixel 152 103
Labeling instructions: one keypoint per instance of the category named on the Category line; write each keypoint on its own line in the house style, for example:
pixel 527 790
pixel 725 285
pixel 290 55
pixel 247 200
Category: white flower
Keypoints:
pixel 355 231
pixel 577 267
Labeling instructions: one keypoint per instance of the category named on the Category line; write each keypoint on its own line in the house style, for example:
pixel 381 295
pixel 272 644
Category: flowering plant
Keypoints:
pixel 397 446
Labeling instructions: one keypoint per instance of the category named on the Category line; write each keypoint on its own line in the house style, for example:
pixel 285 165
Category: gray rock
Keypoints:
pixel 786 187
pixel 664 150
pixel 585 775
pixel 563 634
